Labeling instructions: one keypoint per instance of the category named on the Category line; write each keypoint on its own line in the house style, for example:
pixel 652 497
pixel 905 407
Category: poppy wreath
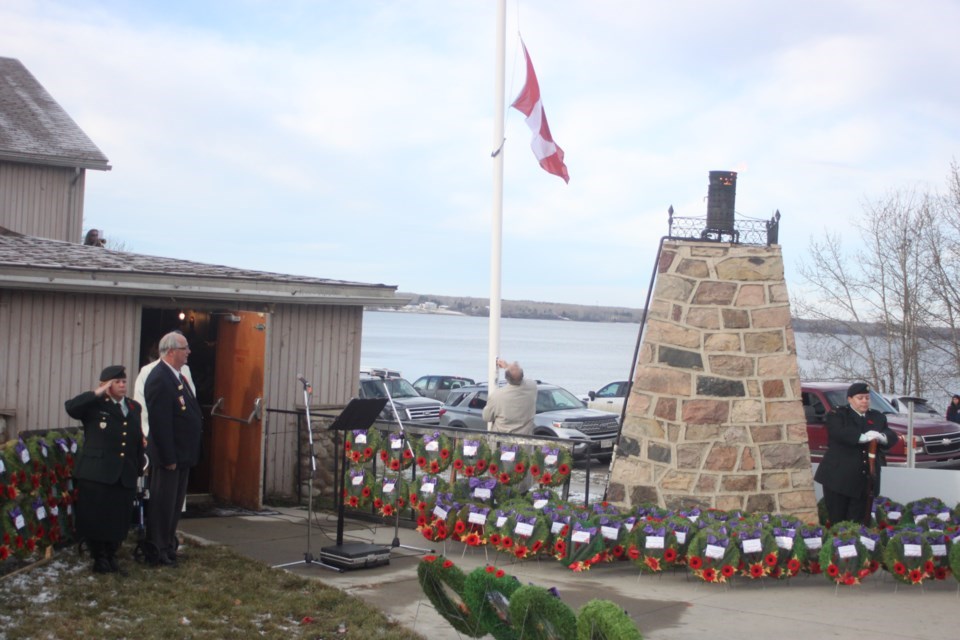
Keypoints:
pixel 551 465
pixel 391 494
pixel 487 592
pixel 559 518
pixel 759 556
pixel 791 550
pixel 652 512
pixel 652 546
pixel 424 492
pixel 500 537
pixel 434 452
pixel 361 445
pixel 543 498
pixel 926 508
pixel 940 544
pixel 582 547
pixel 395 452
pixel 444 582
pixel 605 619
pixel 470 524
pixel 18 527
pixel 437 525
pixel 811 537
pixel 537 614
pixel 872 542
pixel 486 489
pixel 953 559
pixel 530 533
pixel 510 464
pixel 909 558
pixel 713 555
pixel 359 487
pixel 682 530
pixel 615 531
pixel 471 457
pixel 843 558
pixel 887 513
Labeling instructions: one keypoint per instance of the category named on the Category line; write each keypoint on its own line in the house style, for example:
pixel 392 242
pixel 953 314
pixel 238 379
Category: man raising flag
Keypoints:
pixel 529 104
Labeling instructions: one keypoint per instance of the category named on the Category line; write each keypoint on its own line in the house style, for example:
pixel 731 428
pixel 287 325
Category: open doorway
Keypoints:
pixel 227 364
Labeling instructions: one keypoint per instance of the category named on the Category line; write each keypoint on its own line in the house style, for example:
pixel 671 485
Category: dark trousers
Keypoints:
pixel 168 489
pixel 841 507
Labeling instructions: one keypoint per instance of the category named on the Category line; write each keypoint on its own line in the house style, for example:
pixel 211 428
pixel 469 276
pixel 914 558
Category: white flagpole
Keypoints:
pixel 496 226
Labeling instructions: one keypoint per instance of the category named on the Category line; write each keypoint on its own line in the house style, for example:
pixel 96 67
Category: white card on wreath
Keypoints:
pixel 714 551
pixel 427 487
pixel 869 543
pixel 508 456
pixel 361 438
pixel 920 518
pixel 476 518
pixel 580 536
pixel 395 444
pixel 388 487
pixel 501 520
pixel 894 515
pixel 19 522
pixel 555 528
pixel 785 542
pixel 356 481
pixel 440 512
pixel 654 542
pixel 41 512
pixel 681 536
pixel 540 504
pixel 433 445
pixel 912 550
pixel 944 516
pixel 753 545
pixel 847 551
pixel 609 533
pixel 550 459
pixel 469 450
pixel 481 492
pixel 939 550
pixel 524 529
pixel 813 543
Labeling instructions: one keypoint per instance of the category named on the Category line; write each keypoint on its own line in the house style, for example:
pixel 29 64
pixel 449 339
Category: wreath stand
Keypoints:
pixel 358 414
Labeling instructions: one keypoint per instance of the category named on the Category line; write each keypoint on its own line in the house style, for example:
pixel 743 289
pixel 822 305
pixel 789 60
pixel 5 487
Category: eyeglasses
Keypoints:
pixel 180 349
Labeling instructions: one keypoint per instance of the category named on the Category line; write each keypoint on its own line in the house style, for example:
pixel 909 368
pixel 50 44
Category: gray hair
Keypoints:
pixel 513 374
pixel 170 342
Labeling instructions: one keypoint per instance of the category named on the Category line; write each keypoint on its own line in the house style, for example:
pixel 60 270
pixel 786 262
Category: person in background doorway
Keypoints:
pixel 108 466
pixel 141 382
pixel 176 429
pixel 844 471
pixel 953 410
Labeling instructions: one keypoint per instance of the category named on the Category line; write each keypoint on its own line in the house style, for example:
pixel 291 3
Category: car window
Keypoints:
pixel 479 401
pixel 611 390
pixel 421 383
pixel 445 384
pixel 812 406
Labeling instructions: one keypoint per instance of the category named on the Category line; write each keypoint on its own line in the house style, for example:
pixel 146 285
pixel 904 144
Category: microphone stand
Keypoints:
pixel 405 444
pixel 308 558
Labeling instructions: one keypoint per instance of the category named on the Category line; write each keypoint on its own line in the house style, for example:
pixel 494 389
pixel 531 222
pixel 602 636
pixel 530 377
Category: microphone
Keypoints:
pixel 306 385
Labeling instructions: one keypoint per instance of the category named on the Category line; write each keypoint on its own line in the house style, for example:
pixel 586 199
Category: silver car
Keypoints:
pixel 559 414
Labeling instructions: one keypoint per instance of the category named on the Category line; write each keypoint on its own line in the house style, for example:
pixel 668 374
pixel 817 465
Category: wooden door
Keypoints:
pixel 236 474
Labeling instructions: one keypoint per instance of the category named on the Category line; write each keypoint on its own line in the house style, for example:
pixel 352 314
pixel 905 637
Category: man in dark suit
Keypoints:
pixel 844 471
pixel 176 427
pixel 108 466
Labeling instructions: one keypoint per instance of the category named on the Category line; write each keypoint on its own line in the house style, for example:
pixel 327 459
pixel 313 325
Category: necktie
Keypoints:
pixel 186 386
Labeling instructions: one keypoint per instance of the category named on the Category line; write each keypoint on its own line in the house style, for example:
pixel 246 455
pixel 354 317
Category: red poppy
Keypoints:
pixel 695 562
pixel 4 552
pixel 652 562
pixel 368 452
pixel 504 478
pixel 384 455
pixel 494 539
pixel 355 456
pixel 490 569
pixel 563 470
pixel 444 453
pixel 429 558
pixel 756 570
pixel 354 501
pixel 344 492
pixel 377 502
pixel 670 555
pixel 31 544
pixel 348 445
pixel 506 542
pixel 928 567
pixel 434 466
pixel 849 580
pixel 916 576
pixel 793 565
pixel 833 570
pixel 560 547
pixel 519 468
pixel 940 573
pixel 481 465
pixel 633 553
pixel 564 531
pixel 447 564
pixel 814 567
pixel 536 546
pixel 520 551
pixel 727 571
pixel 863 573
pixel 459 527
pixel 546 478
pixel 421 461
pixel 468 471
pixel 401 502
pixel 617 551
pixel 395 465
pixel 421 520
pixel 709 575
pixel 771 559
pixel 899 568
pixel 365 492
pixel 472 540
pixel 874 566
pixel 500 573
pixel 407 454
pixel 493 469
pixel 458 464
pixel 388 509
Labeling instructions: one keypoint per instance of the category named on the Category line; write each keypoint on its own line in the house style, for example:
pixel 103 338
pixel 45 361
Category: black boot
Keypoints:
pixel 112 548
pixel 98 551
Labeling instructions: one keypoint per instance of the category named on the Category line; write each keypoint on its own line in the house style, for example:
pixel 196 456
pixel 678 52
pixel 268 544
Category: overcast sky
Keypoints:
pixel 352 139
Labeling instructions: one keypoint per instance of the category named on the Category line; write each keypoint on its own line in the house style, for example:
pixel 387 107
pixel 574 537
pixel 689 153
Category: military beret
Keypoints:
pixel 857 388
pixel 113 372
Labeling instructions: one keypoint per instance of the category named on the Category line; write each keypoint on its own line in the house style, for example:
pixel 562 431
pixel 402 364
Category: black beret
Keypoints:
pixel 857 388
pixel 113 372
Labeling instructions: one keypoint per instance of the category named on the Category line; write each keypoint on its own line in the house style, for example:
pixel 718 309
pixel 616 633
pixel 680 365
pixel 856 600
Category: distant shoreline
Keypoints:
pixel 528 309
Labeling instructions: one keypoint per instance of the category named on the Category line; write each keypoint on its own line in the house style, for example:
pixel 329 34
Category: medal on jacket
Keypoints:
pixel 183 404
pixel 103 424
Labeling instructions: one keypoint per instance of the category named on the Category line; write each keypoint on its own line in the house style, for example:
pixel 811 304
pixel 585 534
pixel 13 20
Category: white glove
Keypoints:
pixel 873 435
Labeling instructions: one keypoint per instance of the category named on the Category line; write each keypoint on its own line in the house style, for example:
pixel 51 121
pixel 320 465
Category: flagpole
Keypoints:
pixel 496 226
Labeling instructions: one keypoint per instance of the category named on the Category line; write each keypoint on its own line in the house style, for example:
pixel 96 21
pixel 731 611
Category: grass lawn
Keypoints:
pixel 214 593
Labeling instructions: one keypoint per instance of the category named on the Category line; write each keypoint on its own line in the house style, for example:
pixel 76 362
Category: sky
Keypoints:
pixel 352 140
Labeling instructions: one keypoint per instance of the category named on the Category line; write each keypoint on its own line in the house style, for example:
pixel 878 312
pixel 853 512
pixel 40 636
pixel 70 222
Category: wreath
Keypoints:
pixel 582 546
pixel 426 488
pixel 953 560
pixel 390 494
pixel 18 526
pixel 511 464
pixel 469 524
pixel 358 489
pixel 811 537
pixel 529 532
pixel 615 531
pixel 471 457
pixel 791 549
pixel 909 558
pixel 759 555
pixel 887 513
pixel 920 510
pixel 395 452
pixel 443 582
pixel 434 452
pixel 940 544
pixel 713 555
pixel 542 499
pixel 652 546
pixel 487 592
pixel 537 614
pixel 361 445
pixel 475 489
pixel 551 465
pixel 652 512
pixel 601 619
pixel 843 558
pixel 437 525
pixel 500 538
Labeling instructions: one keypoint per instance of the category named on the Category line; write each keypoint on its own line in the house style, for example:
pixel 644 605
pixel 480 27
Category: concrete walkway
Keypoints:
pixel 664 607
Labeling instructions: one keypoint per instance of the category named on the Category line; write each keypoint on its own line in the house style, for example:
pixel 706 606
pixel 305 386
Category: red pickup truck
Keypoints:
pixel 936 442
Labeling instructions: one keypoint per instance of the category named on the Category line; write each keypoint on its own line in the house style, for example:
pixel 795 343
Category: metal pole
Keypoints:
pixel 496 223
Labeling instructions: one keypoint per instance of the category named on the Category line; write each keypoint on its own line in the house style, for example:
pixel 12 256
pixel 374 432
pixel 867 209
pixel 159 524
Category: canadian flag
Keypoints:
pixel 528 103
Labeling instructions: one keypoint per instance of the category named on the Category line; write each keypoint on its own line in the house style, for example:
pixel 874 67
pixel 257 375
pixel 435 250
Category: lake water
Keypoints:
pixel 579 356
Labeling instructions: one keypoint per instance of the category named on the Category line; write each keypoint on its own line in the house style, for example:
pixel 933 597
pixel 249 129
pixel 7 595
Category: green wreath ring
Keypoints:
pixel 682 529
pixel 423 493
pixel 537 614
pixel 510 464
pixel 791 550
pixel 602 619
pixel 551 465
pixel 359 487
pixel 713 555
pixel 909 558
pixel 361 445
pixel 434 453
pixel 953 559
pixel 444 582
pixel 471 457
pixel 390 494
pixel 526 534
pixel 395 453
pixel 759 555
pixel 940 543
pixel 488 591
pixel 19 541
pixel 843 558
pixel 652 546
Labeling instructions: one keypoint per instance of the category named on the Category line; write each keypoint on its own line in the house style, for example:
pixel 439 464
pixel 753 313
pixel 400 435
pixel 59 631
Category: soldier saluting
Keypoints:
pixel 845 469
pixel 108 465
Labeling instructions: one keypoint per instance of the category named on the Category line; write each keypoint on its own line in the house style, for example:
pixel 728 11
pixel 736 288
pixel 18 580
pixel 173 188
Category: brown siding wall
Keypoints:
pixel 54 346
pixel 322 344
pixel 46 202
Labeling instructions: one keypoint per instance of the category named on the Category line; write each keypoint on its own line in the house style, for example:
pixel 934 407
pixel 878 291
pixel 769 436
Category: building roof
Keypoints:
pixel 27 262
pixel 35 129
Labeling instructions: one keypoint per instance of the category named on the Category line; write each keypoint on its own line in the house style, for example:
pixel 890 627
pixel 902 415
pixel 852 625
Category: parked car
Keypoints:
pixel 410 404
pixel 610 397
pixel 920 409
pixel 936 442
pixel 439 386
pixel 559 414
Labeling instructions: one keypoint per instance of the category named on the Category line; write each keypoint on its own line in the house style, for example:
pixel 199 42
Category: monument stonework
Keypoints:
pixel 714 418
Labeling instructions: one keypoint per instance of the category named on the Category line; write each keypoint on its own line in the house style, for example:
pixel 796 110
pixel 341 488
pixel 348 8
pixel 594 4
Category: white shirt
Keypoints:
pixel 142 381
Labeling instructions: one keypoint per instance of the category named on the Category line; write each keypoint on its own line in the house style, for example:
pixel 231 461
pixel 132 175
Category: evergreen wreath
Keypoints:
pixel 390 494
pixel 759 555
pixel 791 550
pixel 551 465
pixel 682 529
pixel 940 544
pixel 510 464
pixel 713 555
pixel 434 452
pixel 486 489
pixel 843 558
pixel 582 546
pixel 395 452
pixel 537 614
pixel 361 445
pixel 470 523
pixel 652 545
pixel 602 620
pixel 887 513
pixel 443 582
pixel 926 508
pixel 615 530
pixel 953 559
pixel 811 536
pixel 542 499
pixel 471 457
pixel 359 487
pixel 487 592
pixel 909 558
pixel 427 487
pixel 500 528
pixel 530 532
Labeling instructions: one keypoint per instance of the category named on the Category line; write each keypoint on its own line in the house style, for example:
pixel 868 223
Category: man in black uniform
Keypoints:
pixel 108 465
pixel 844 471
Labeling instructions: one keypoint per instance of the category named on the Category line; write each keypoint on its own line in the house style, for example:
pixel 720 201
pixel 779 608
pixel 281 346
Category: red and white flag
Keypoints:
pixel 528 103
